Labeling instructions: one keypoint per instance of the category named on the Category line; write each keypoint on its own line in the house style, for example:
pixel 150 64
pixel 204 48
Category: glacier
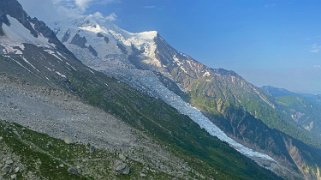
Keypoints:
pixel 112 61
pixel 148 82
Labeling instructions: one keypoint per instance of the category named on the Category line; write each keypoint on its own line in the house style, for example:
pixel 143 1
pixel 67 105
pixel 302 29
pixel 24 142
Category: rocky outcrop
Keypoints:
pixel 121 168
pixel 310 168
pixel 79 41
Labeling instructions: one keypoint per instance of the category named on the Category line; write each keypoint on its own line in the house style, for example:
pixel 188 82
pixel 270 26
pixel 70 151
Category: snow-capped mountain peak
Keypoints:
pixel 94 37
pixel 133 57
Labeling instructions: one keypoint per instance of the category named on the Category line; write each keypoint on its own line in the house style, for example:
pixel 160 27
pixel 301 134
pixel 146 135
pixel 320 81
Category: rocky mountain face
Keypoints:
pixel 303 109
pixel 243 111
pixel 37 29
pixel 117 56
pixel 77 123
pixel 118 50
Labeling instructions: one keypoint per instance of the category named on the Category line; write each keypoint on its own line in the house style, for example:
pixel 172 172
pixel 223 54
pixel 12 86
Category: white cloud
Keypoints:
pixel 82 4
pixel 316 48
pixel 55 10
pixel 111 17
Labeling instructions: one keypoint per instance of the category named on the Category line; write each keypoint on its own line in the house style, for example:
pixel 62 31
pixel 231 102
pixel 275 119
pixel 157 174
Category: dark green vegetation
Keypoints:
pixel 205 154
pixel 216 106
pixel 295 155
pixel 272 133
pixel 303 109
pixel 244 111
pixel 215 90
pixel 218 94
pixel 164 123
pixel 51 158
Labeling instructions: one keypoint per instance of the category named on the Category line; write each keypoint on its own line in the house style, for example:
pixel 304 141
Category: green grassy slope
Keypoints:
pixel 164 123
pixel 204 153
pixel 51 158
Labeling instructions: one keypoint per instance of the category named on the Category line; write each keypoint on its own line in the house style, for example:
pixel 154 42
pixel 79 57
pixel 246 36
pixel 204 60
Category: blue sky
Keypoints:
pixel 268 42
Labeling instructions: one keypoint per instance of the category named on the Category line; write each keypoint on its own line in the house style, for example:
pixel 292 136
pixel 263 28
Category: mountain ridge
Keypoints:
pixel 142 45
pixel 212 91
pixel 53 69
pixel 302 108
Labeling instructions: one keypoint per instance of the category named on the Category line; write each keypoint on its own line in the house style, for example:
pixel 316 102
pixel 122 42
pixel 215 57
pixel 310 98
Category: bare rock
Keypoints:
pixel 13 177
pixel 122 157
pixel 7 169
pixel 74 171
pixel 142 174
pixel 92 149
pixel 17 169
pixel 121 168
pixel 67 140
pixel 9 161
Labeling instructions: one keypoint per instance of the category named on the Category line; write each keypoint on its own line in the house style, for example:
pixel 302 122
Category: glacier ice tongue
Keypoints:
pixel 151 84
pixel 144 80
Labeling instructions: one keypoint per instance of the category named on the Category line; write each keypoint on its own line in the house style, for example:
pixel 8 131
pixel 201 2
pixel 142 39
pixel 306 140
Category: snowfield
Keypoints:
pixel 16 35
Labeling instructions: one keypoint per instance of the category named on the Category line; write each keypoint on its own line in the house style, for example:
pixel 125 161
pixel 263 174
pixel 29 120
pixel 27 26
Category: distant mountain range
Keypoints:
pixel 144 109
pixel 304 109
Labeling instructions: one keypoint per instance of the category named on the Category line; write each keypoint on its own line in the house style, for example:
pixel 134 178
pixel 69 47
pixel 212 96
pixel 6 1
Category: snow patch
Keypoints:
pixel 206 74
pixel 148 35
pixel 72 67
pixel 53 53
pixel 20 64
pixel 49 69
pixel 233 79
pixel 11 49
pixel 309 126
pixel 25 60
pixel 16 34
pixel 179 64
pixel 92 72
pixel 95 29
pixel 61 75
pixel 177 61
pixel 189 63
